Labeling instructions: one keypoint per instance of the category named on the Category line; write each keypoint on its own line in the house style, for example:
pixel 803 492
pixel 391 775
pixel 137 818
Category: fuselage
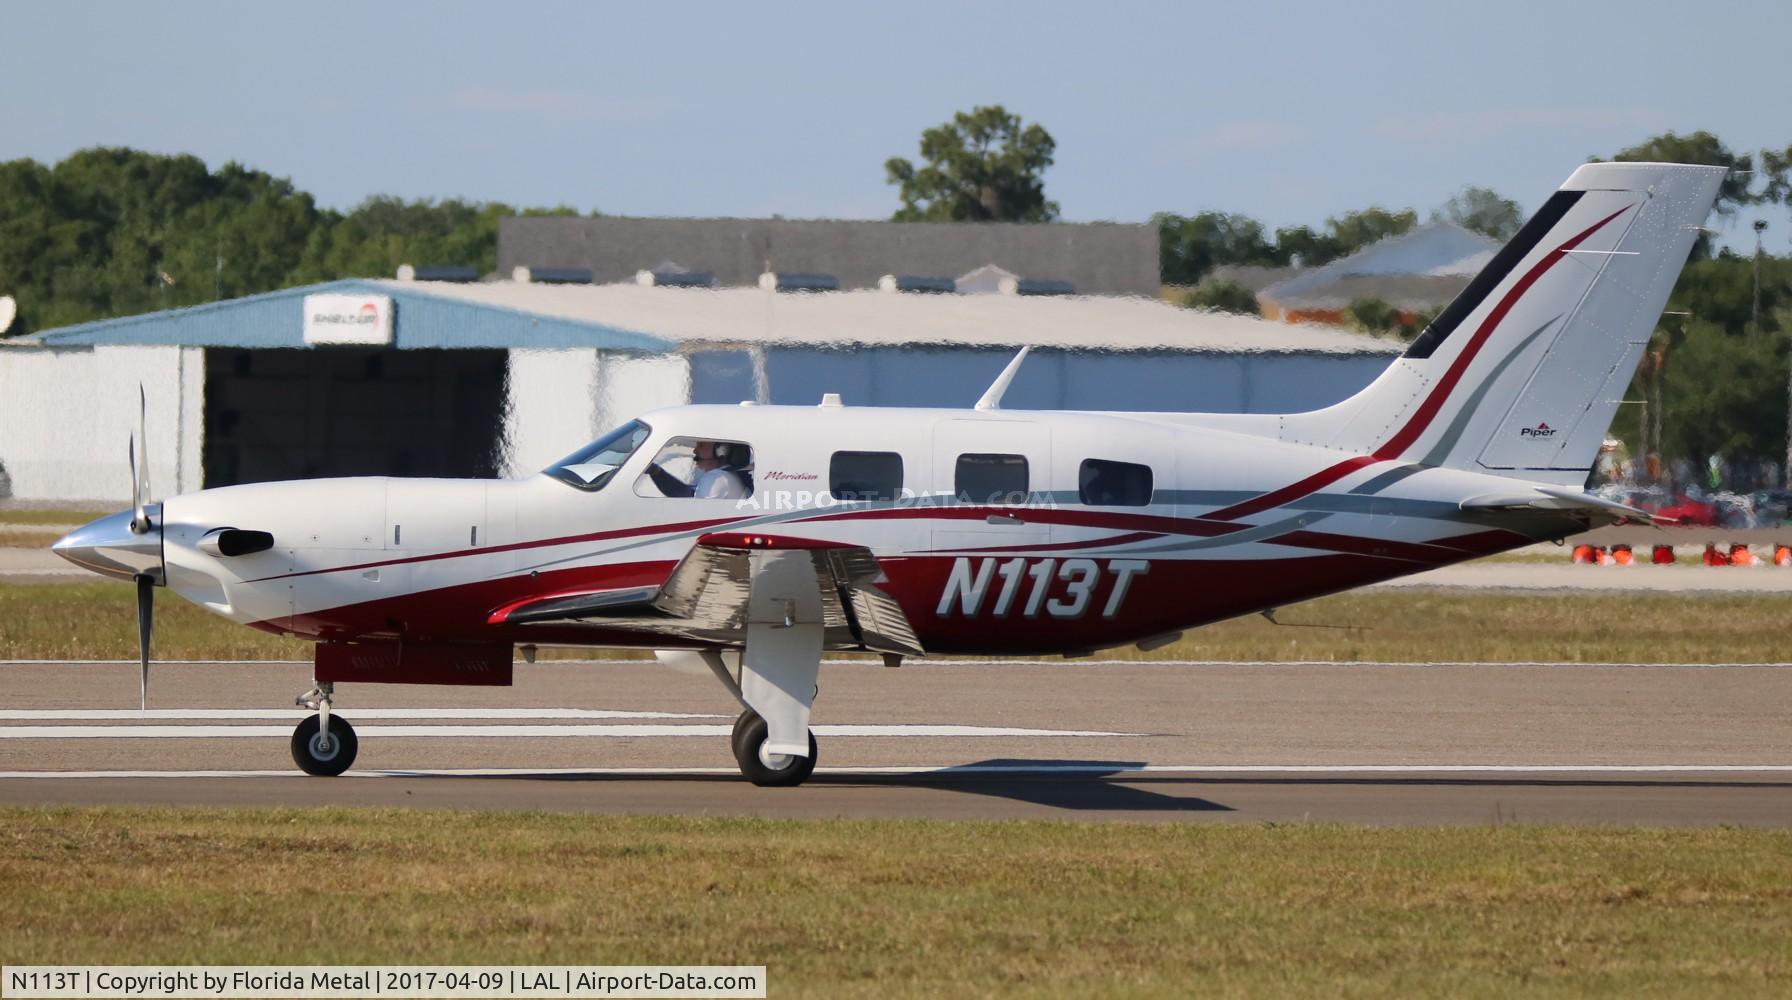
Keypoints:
pixel 998 531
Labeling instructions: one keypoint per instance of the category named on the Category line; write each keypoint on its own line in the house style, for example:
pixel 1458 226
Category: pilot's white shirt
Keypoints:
pixel 718 484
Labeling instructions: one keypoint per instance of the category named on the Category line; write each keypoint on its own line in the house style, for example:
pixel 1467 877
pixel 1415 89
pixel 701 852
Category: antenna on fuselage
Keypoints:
pixel 992 397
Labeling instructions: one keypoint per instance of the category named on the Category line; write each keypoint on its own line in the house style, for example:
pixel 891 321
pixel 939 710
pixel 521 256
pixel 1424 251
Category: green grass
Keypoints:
pixel 52 516
pixel 1436 626
pixel 98 621
pixel 14 537
pixel 901 908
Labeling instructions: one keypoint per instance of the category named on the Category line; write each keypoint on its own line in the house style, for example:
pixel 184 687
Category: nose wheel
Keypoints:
pixel 323 745
pixel 320 757
pixel 762 767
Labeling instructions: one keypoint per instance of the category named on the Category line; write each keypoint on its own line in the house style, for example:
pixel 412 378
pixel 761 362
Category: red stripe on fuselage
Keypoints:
pixel 1198 527
pixel 1293 491
pixel 596 536
pixel 1087 543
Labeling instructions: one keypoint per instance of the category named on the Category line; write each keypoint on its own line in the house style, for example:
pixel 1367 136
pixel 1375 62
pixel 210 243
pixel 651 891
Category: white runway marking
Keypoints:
pixel 1196 770
pixel 620 730
pixel 969 662
pixel 354 715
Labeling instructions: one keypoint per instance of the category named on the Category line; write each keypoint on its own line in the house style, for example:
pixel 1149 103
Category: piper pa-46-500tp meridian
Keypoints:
pixel 751 539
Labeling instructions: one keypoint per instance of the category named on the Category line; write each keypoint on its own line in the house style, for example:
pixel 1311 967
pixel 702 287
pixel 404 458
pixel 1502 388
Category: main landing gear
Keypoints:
pixel 323 745
pixel 764 767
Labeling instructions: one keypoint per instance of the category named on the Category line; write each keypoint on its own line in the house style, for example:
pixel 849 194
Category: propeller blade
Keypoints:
pixel 146 597
pixel 140 475
pixel 136 493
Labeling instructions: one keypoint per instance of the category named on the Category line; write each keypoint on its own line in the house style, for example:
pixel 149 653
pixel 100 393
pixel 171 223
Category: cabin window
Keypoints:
pixel 592 467
pixel 699 468
pixel 865 475
pixel 1101 483
pixel 994 479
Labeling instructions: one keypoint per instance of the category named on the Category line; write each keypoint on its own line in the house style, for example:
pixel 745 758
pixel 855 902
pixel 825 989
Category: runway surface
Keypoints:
pixel 1360 743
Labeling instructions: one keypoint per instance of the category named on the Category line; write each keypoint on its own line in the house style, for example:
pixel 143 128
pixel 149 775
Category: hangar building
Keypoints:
pixel 432 378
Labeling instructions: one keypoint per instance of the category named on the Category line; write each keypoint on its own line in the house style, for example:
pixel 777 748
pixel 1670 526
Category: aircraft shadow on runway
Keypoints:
pixel 1082 785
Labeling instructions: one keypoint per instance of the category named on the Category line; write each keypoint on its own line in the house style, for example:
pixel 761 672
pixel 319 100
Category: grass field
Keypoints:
pixel 98 621
pixel 58 515
pixel 901 908
pixel 13 536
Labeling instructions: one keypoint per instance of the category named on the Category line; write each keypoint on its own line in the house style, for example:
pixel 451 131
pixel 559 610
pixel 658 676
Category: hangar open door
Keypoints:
pixel 352 411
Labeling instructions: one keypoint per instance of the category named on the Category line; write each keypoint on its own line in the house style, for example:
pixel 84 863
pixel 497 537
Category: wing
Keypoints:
pixel 705 597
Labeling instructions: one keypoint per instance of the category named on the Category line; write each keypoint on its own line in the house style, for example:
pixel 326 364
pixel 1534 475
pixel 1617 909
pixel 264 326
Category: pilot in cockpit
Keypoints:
pixel 717 476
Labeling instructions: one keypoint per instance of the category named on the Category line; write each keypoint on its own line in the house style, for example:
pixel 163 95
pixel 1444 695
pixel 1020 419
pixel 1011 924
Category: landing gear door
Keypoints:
pixel 993 476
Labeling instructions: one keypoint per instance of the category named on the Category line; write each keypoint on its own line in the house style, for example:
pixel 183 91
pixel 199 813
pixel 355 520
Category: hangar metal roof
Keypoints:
pixel 637 318
pixel 755 316
pixel 424 318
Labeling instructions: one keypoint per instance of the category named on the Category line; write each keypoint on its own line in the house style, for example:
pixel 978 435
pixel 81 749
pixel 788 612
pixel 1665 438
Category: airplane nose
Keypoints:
pixel 109 547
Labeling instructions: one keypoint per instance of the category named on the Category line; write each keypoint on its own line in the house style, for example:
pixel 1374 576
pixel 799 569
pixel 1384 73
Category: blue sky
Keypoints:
pixel 1288 112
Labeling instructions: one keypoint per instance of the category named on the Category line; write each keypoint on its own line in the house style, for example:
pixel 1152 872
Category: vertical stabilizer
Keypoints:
pixel 1522 373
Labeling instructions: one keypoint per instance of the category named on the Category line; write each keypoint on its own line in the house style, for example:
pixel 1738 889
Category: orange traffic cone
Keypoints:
pixel 1622 555
pixel 1583 554
pixel 1782 555
pixel 1741 556
pixel 1714 557
pixel 1662 555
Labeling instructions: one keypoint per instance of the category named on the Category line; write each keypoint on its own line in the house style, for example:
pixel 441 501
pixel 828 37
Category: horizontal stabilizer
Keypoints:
pixel 1553 498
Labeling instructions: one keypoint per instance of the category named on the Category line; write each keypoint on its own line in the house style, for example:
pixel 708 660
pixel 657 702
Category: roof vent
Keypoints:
pixel 680 278
pixel 831 399
pixel 917 283
pixel 552 275
pixel 1037 286
pixel 408 272
pixel 789 281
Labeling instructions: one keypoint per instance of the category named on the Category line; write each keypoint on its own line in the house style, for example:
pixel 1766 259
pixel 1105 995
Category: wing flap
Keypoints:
pixel 705 598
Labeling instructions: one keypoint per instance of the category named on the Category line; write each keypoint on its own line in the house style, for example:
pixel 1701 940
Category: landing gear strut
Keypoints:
pixel 763 767
pixel 323 745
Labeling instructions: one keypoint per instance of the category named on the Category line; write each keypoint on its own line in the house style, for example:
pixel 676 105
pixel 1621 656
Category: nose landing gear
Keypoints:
pixel 323 745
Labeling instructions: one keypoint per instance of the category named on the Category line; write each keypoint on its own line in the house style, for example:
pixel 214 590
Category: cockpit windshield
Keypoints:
pixel 592 467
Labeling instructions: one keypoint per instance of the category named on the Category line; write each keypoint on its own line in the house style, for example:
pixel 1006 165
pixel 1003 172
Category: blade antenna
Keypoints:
pixel 992 398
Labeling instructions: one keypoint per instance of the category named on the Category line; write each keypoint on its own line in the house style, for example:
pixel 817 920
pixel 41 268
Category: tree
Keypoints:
pixel 1344 235
pixel 1725 395
pixel 1222 296
pixel 1777 166
pixel 982 166
pixel 1188 247
pixel 114 231
pixel 1482 210
pixel 1302 246
pixel 1355 230
pixel 1699 147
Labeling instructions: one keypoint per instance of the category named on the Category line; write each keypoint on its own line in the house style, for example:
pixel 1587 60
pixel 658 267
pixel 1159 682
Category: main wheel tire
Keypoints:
pixel 740 726
pixel 770 770
pixel 324 764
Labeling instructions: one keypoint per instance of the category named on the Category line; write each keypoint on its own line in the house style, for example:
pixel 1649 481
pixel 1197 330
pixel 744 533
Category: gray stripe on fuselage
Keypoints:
pixel 1457 426
pixel 1388 479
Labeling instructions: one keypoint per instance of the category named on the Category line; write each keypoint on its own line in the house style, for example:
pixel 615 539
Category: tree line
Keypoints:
pixel 114 232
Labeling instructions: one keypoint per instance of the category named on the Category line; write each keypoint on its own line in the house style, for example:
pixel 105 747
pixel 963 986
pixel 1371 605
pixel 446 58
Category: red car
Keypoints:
pixel 1686 510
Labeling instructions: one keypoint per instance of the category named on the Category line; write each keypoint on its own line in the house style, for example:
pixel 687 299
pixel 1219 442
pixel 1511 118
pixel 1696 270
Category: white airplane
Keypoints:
pixel 751 539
